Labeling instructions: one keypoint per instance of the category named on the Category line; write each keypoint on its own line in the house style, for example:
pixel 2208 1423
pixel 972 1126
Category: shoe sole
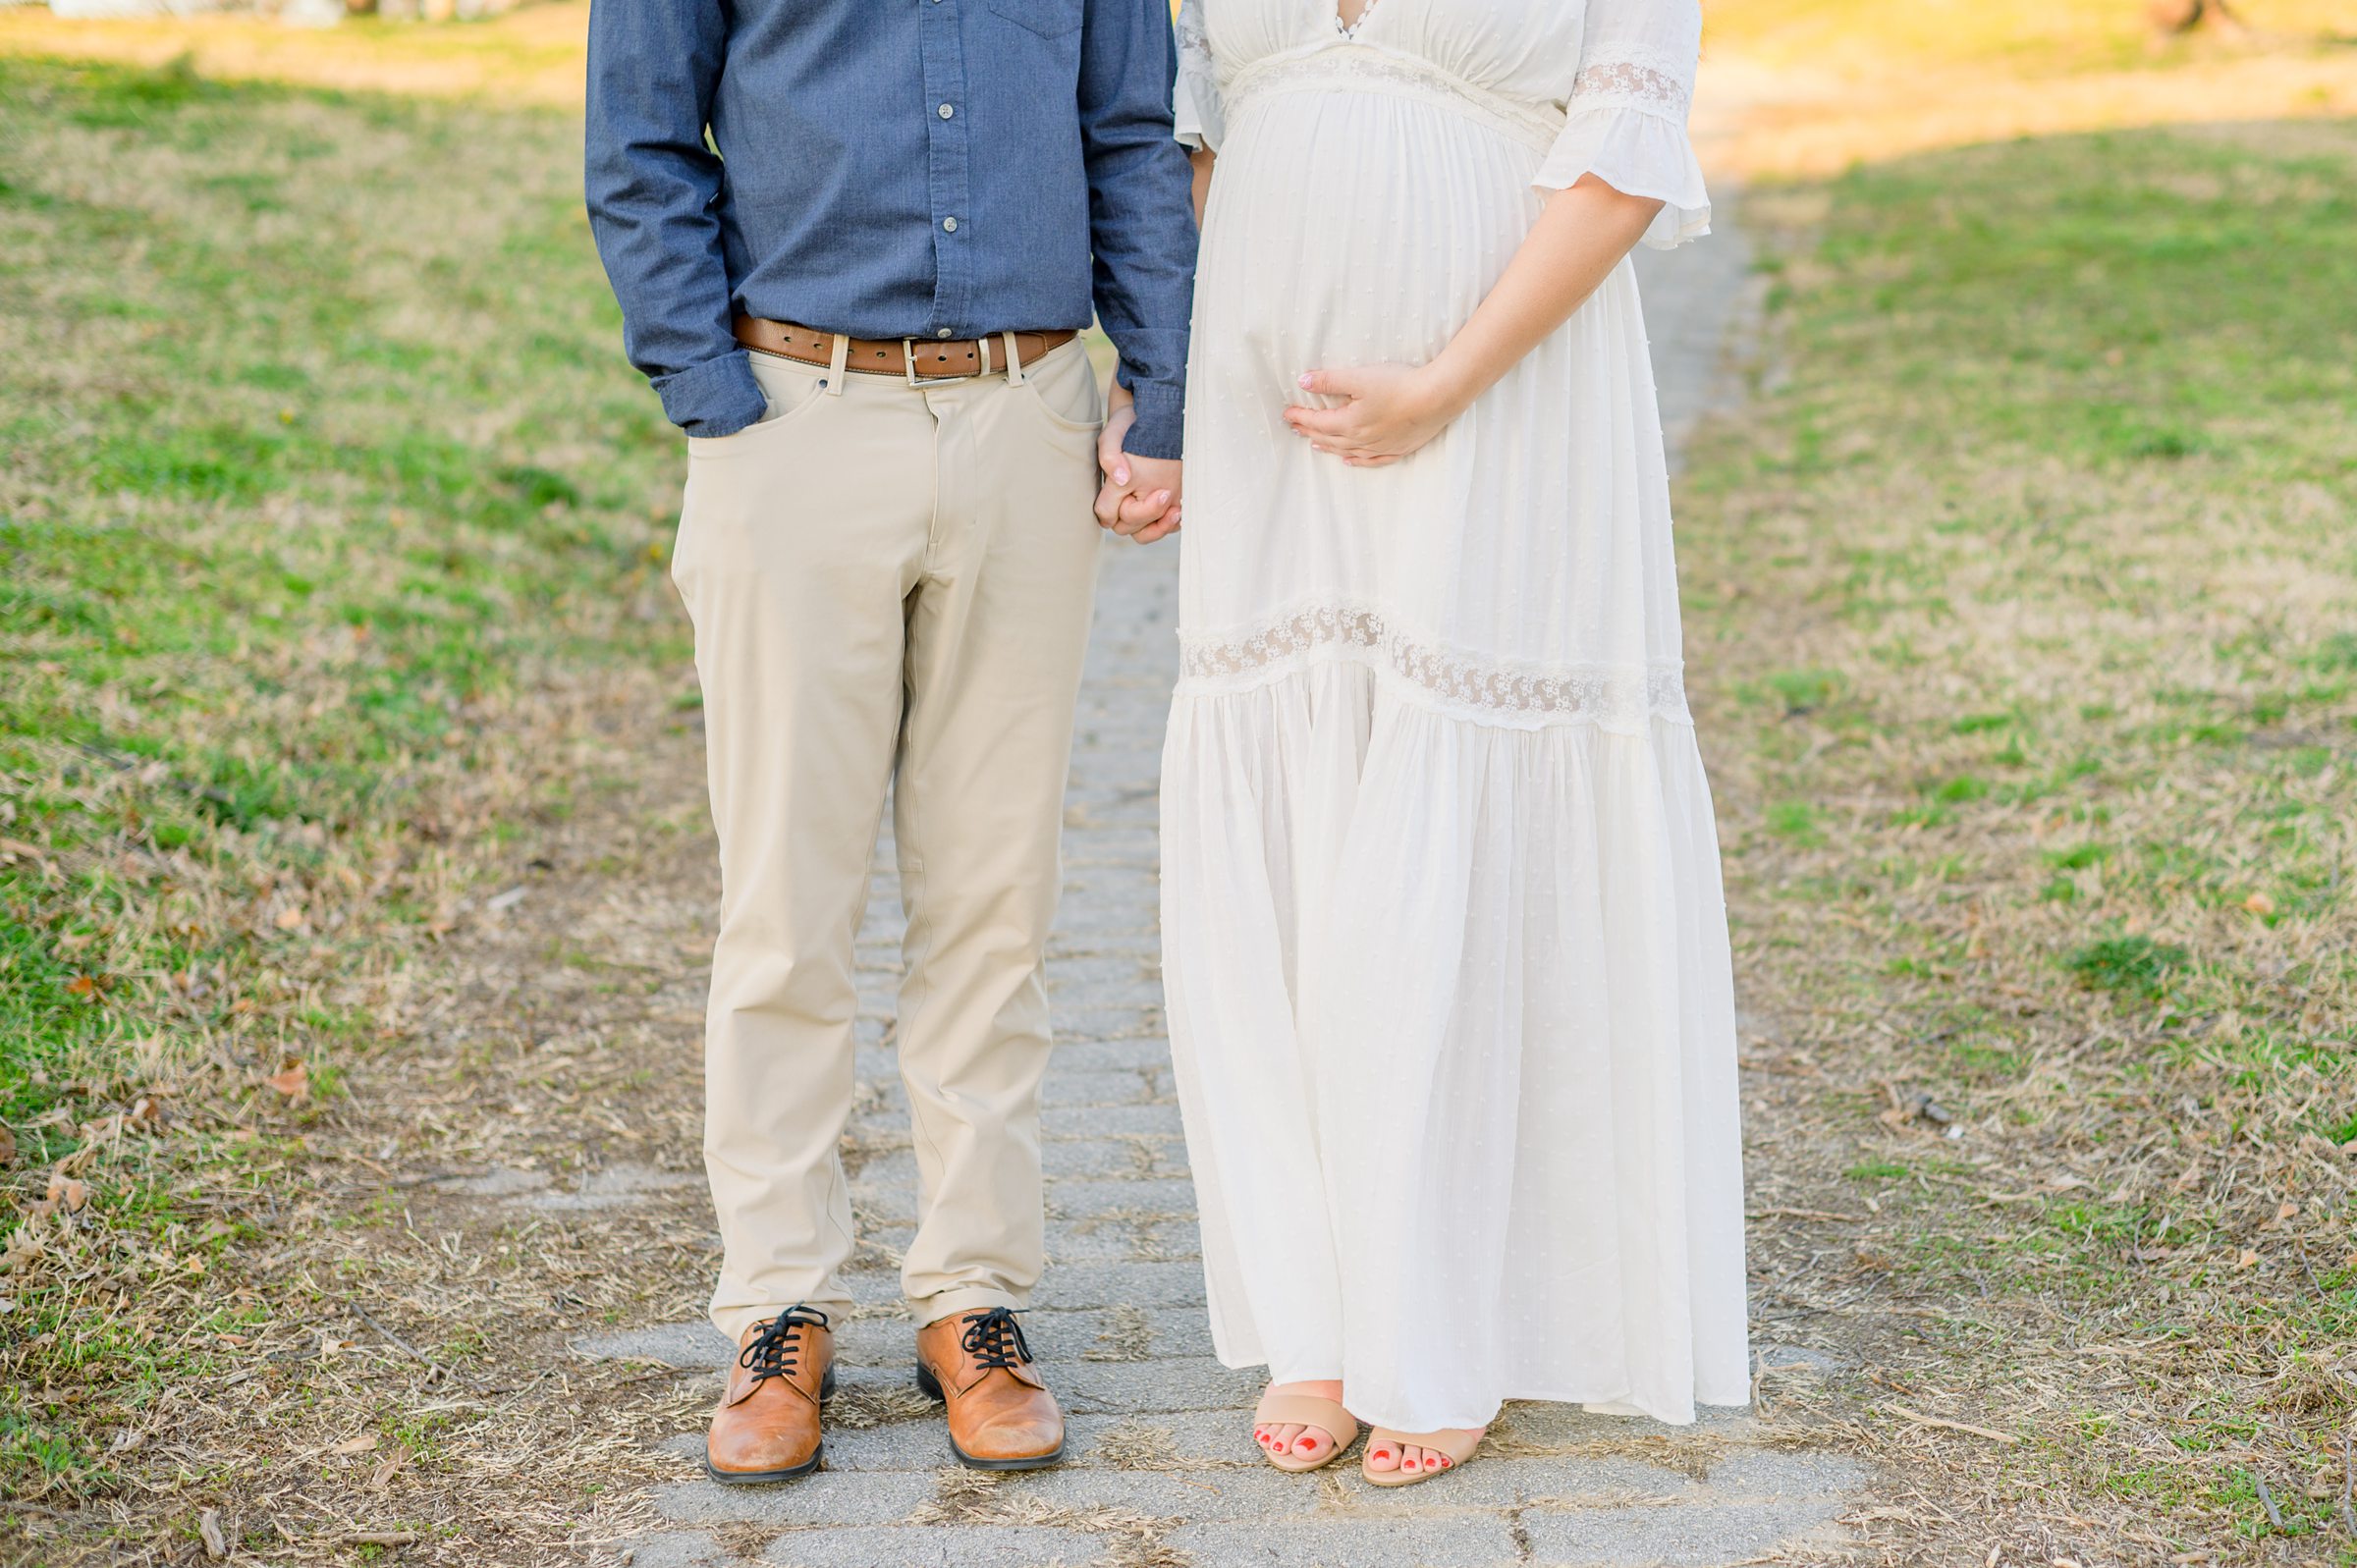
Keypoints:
pixel 930 1386
pixel 763 1478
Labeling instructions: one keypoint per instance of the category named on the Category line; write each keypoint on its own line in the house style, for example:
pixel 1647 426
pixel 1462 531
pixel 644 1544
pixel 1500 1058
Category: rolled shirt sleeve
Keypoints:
pixel 652 187
pixel 1141 211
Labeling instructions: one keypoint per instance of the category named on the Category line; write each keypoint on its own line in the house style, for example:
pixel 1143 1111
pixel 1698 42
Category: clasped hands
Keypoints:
pixel 1387 411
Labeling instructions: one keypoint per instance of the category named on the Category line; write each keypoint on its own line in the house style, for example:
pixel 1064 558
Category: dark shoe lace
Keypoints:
pixel 774 1349
pixel 995 1339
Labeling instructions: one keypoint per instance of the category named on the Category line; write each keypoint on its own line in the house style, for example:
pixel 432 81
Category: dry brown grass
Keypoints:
pixel 2024 600
pixel 338 683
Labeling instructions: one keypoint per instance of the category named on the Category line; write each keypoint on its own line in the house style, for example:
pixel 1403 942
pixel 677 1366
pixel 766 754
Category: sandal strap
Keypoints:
pixel 1306 1410
pixel 1458 1445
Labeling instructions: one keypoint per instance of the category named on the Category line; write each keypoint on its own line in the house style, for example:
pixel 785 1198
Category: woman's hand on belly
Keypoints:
pixel 1581 236
pixel 1390 411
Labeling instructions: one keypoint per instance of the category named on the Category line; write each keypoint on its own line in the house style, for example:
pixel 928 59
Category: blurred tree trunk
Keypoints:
pixel 2183 15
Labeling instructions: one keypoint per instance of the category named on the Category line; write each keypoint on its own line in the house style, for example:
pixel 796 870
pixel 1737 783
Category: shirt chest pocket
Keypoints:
pixel 1050 19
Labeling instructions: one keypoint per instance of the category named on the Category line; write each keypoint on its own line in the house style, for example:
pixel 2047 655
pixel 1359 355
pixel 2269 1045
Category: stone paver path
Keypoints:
pixel 1163 1471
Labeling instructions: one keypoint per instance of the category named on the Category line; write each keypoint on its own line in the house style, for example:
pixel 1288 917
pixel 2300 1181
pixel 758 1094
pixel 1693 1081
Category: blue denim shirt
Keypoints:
pixel 889 169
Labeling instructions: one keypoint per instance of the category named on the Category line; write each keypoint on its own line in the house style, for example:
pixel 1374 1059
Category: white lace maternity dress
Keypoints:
pixel 1444 946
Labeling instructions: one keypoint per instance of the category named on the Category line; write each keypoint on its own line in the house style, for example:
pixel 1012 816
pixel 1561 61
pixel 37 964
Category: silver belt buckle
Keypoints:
pixel 909 368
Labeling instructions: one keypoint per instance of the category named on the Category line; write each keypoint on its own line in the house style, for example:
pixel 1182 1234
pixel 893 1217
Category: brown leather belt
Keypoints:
pixel 917 359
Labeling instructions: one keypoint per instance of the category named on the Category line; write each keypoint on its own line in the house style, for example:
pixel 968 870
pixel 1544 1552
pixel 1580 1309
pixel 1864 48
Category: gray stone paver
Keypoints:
pixel 1458 1540
pixel 824 1498
pixel 1119 1319
pixel 936 1546
pixel 1696 1536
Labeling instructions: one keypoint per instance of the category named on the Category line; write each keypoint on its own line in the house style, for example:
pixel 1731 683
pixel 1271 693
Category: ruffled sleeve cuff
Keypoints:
pixel 1638 153
pixel 1195 110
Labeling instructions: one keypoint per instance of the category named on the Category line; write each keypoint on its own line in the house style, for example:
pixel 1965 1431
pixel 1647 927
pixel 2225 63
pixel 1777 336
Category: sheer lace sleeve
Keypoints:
pixel 1202 122
pixel 1626 117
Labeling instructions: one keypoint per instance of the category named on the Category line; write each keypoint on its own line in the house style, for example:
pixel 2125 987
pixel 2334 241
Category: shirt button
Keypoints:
pixel 944 332
pixel 947 111
pixel 949 225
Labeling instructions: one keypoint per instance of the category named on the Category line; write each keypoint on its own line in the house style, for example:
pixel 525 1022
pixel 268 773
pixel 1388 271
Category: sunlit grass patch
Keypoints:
pixel 1842 82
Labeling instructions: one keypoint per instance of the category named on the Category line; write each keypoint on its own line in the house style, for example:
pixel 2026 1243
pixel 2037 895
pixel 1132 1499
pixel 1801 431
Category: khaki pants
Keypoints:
pixel 890 585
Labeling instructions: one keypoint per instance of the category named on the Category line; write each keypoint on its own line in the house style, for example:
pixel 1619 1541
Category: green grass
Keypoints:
pixel 2042 531
pixel 322 466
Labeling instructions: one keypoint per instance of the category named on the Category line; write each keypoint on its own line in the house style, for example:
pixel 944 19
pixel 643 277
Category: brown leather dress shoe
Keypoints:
pixel 767 1425
pixel 1002 1417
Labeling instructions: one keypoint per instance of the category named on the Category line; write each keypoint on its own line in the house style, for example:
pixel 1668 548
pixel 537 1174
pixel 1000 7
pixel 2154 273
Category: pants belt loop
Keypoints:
pixel 1015 361
pixel 835 375
pixel 982 348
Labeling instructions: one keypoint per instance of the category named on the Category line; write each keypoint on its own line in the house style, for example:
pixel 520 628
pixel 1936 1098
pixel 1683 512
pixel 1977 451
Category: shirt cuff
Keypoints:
pixel 717 397
pixel 1161 428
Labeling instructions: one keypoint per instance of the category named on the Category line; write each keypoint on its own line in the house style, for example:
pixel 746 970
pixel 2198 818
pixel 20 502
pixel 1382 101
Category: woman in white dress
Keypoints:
pixel 1444 947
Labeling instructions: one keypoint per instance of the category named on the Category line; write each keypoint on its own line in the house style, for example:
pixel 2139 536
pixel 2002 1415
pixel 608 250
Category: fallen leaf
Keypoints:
pixel 294 1082
pixel 2259 903
pixel 82 986
pixel 355 1446
pixel 290 918
pixel 66 1192
pixel 208 1525
pixel 8 1147
pixel 2248 1259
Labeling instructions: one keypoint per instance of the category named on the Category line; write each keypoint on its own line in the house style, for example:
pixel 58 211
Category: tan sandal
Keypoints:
pixel 1453 1447
pixel 1306 1410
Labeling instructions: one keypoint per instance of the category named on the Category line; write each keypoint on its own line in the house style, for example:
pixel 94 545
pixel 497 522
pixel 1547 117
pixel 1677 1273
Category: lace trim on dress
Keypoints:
pixel 1200 120
pixel 1362 66
pixel 1634 80
pixel 1612 696
pixel 1194 40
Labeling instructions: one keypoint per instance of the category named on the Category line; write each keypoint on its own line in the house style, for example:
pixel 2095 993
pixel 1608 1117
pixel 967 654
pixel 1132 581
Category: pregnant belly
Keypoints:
pixel 1352 228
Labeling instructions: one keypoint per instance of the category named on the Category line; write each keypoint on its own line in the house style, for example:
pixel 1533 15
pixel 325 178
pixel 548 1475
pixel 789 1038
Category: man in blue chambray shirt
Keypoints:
pixel 863 308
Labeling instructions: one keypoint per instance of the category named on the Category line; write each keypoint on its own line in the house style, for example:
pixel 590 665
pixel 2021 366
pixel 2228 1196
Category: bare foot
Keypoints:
pixel 1385 1453
pixel 1309 1442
